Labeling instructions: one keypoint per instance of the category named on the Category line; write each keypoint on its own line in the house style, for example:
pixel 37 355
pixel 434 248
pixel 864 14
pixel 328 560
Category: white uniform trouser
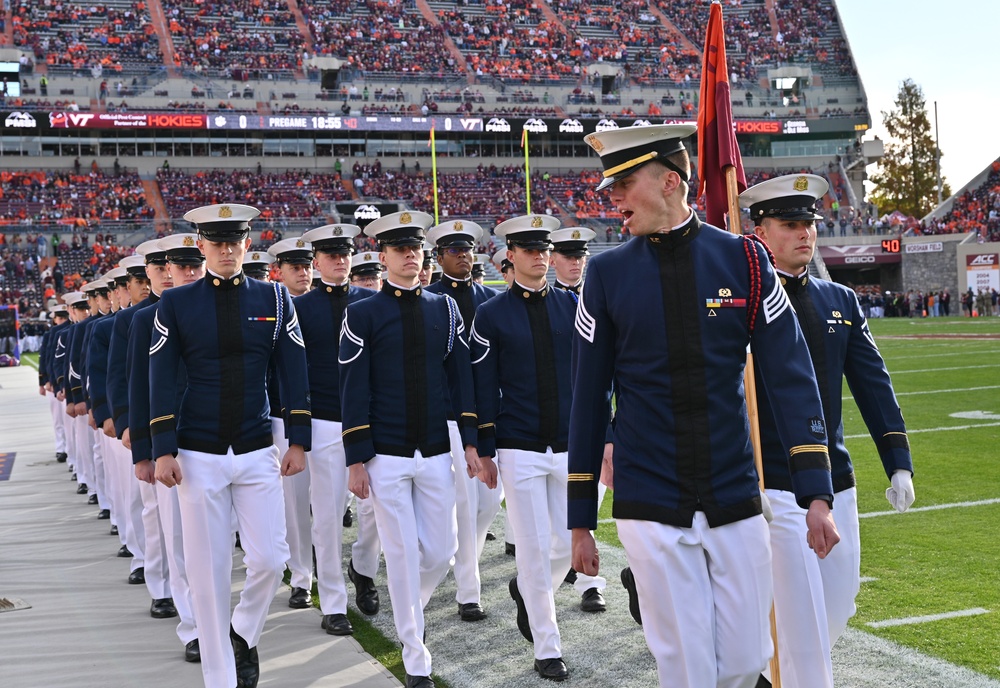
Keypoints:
pixel 213 485
pixel 327 482
pixel 799 607
pixel 841 569
pixel 84 454
pixel 173 545
pixel 58 411
pixel 474 510
pixel 367 549
pixel 583 581
pixel 97 442
pixel 130 525
pixel 112 483
pixel 706 595
pixel 69 428
pixel 535 486
pixel 298 523
pixel 157 567
pixel 414 501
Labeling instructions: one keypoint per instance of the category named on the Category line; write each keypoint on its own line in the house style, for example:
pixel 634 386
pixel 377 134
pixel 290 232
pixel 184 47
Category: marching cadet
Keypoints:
pixel 79 309
pixel 521 360
pixel 813 599
pixel 101 307
pixel 138 291
pixel 475 507
pixel 503 264
pixel 397 445
pixel 569 256
pixel 97 375
pixel 76 407
pixel 257 264
pixel 60 321
pixel 185 265
pixel 321 313
pixel 479 267
pixel 366 271
pixel 218 449
pixel 294 258
pixel 427 267
pixel 668 317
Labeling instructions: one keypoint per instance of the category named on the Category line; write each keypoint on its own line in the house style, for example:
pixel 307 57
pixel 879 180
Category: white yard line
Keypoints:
pixel 935 391
pixel 941 429
pixel 963 352
pixel 933 507
pixel 29 362
pixel 867 579
pixel 909 620
pixel 937 370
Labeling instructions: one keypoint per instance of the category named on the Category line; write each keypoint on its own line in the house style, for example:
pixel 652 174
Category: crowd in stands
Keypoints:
pixel 801 30
pixel 976 210
pixel 234 37
pixel 70 198
pixel 382 37
pixel 279 195
pixel 85 36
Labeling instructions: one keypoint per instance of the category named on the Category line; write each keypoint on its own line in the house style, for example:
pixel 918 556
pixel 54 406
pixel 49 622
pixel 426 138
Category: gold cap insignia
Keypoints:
pixel 594 142
pixel 837 314
pixel 457 226
pixel 725 293
pixel 188 241
pixel 255 256
pixel 405 218
pixel 801 184
pixel 225 211
pixel 536 222
pixel 300 244
pixel 368 256
pixel 576 234
pixel 338 231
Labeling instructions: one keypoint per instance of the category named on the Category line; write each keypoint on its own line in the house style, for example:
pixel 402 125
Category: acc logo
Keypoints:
pixel 984 259
pixel 725 293
pixel 498 124
pixel 606 124
pixel 571 126
pixel 536 126
pixel 367 212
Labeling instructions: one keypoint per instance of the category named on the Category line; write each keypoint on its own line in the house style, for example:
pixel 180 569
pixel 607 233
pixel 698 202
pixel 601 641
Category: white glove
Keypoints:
pixel 901 494
pixel 765 506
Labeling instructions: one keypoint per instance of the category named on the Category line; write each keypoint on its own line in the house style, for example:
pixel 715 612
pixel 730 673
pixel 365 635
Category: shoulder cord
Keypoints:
pixel 753 260
pixel 451 324
pixel 279 309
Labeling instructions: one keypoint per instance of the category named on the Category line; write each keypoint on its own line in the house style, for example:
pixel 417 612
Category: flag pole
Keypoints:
pixel 434 173
pixel 527 170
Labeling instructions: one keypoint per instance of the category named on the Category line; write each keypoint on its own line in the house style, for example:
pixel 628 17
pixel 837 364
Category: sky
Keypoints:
pixel 949 49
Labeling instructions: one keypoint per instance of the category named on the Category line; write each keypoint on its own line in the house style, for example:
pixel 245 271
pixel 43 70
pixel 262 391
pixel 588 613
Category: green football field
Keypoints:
pixel 944 560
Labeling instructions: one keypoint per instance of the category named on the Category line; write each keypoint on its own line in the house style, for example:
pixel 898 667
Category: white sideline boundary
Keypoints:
pixel 934 391
pixel 910 620
pixel 941 429
pixel 933 507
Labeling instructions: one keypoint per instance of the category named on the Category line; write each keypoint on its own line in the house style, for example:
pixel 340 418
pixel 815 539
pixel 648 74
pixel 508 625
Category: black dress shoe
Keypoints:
pixel 137 577
pixel 104 514
pixel 81 488
pixel 509 549
pixel 552 669
pixel 522 611
pixel 239 545
pixel 163 609
pixel 471 611
pixel 366 596
pixel 92 499
pixel 300 599
pixel 337 624
pixel 418 682
pixel 72 477
pixel 593 601
pixel 114 530
pixel 124 552
pixel 763 682
pixel 490 536
pixel 628 580
pixel 61 457
pixel 348 518
pixel 570 577
pixel 192 652
pixel 247 663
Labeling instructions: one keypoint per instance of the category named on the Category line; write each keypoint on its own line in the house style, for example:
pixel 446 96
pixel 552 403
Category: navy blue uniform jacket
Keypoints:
pixel 97 368
pixel 118 371
pixel 665 319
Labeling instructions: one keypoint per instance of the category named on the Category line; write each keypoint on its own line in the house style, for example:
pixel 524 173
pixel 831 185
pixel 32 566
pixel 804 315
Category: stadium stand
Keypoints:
pixel 976 210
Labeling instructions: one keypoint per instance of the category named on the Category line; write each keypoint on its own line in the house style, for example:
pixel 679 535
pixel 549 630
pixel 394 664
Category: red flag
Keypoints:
pixel 717 146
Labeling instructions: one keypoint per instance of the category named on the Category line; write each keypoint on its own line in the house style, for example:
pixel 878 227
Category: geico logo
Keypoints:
pixel 175 120
pixel 859 259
